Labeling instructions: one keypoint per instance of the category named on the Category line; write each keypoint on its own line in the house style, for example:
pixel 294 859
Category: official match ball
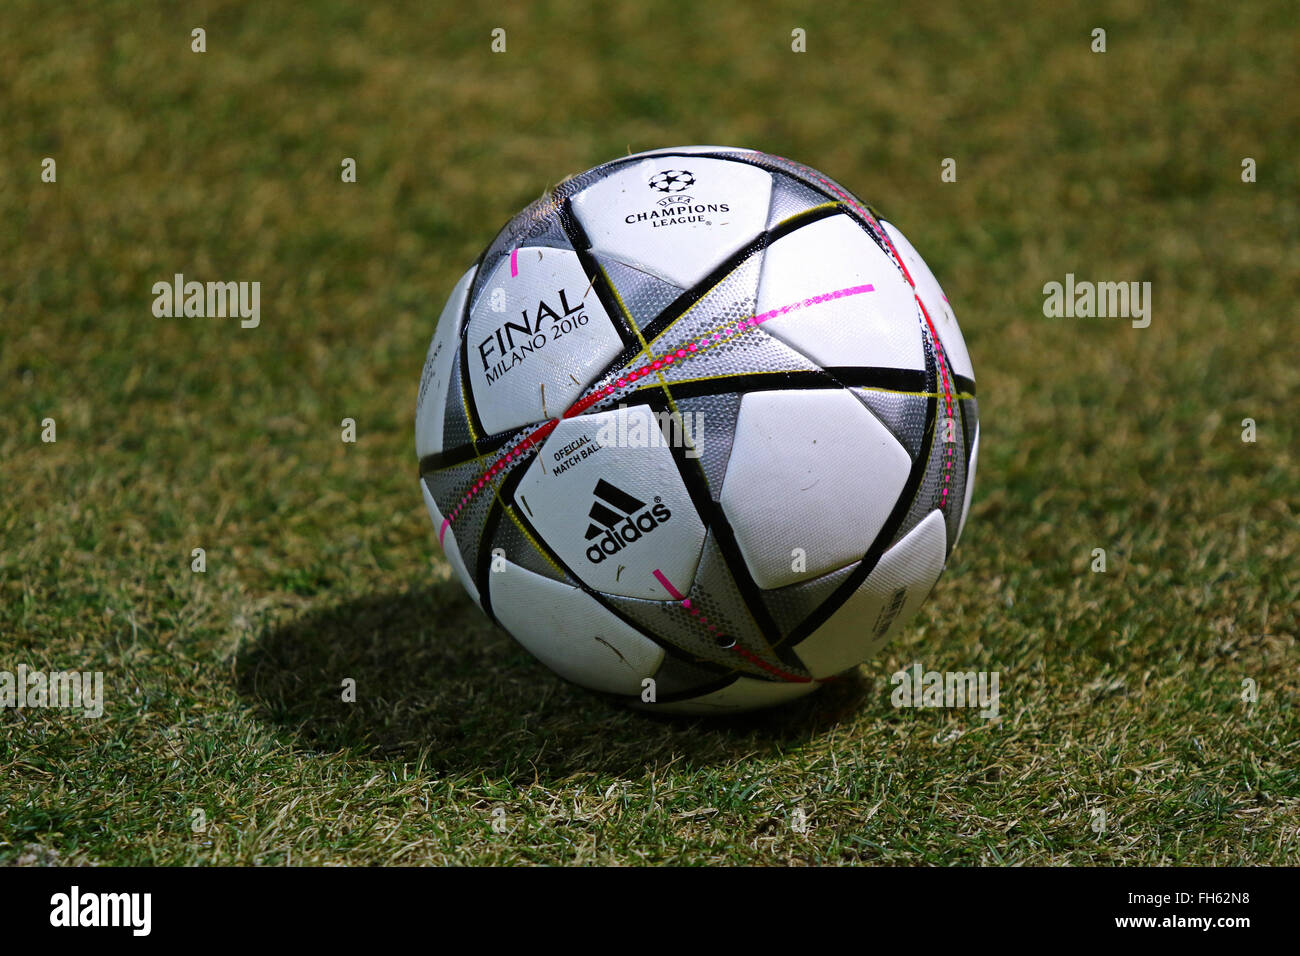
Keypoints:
pixel 698 429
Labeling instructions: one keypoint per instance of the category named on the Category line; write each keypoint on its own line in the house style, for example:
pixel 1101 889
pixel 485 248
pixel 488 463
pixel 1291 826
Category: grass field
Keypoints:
pixel 1120 691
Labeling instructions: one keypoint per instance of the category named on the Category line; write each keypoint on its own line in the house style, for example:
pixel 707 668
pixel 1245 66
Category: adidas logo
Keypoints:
pixel 618 519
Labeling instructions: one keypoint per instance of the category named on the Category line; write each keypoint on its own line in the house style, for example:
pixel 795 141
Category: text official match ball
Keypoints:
pixel 699 429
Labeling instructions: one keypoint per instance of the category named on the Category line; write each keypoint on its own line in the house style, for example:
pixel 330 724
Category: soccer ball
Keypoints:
pixel 699 429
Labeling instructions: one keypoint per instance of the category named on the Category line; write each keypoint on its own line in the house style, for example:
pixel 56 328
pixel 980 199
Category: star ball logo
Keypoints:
pixel 672 180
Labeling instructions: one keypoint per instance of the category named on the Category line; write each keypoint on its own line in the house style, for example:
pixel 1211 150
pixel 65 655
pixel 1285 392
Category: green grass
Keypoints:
pixel 1120 691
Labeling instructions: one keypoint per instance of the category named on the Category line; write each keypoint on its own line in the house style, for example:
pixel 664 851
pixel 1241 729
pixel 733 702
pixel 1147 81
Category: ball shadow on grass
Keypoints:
pixel 435 681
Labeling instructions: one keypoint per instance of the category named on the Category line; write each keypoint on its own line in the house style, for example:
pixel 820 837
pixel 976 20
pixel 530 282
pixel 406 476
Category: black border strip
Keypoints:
pixel 581 245
pixel 878 376
pixel 441 460
pixel 466 383
pixel 715 521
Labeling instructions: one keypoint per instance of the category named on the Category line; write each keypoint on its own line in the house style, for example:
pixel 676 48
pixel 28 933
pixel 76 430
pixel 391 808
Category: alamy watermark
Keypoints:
pixel 1102 300
pixel 921 689
pixel 219 300
pixel 74 908
pixel 645 429
pixel 68 690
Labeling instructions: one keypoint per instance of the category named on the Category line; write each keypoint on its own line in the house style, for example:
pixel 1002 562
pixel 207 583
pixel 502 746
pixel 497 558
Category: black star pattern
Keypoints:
pixel 672 180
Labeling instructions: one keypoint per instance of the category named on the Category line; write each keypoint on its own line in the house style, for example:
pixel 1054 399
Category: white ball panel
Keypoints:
pixel 529 367
pixel 599 475
pixel 812 470
pixel 877 328
pixel 746 693
pixel 663 233
pixel 571 633
pixel 432 402
pixel 936 303
pixel 448 541
pixel 970 484
pixel 884 602
pixel 692 149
